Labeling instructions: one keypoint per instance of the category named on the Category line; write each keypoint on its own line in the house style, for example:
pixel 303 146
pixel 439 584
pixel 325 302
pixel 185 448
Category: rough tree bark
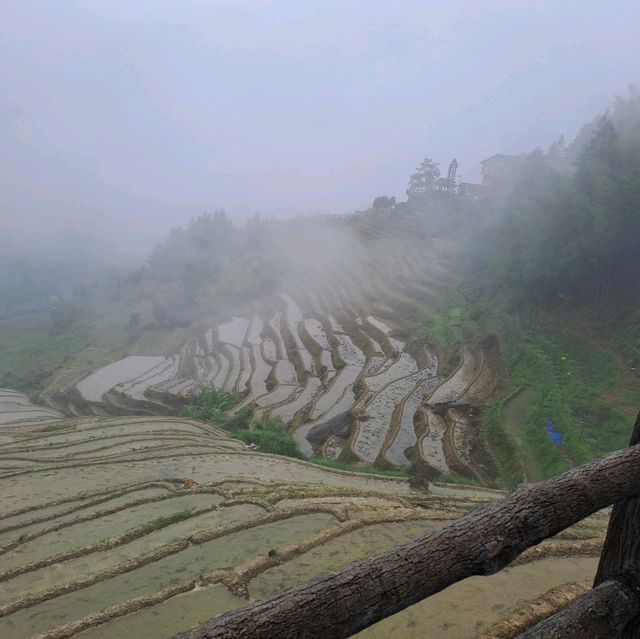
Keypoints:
pixel 612 609
pixel 480 543
pixel 601 613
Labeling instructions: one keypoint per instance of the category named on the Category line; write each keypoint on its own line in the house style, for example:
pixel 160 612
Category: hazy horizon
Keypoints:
pixel 122 120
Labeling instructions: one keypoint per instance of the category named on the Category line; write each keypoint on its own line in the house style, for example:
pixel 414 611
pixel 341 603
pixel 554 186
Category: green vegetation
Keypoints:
pixel 457 319
pixel 200 270
pixel 623 333
pixel 367 468
pixel 209 405
pixel 554 274
pixel 460 481
pixel 210 264
pixel 167 520
pixel 29 353
pixel 270 436
pixel 568 376
pixel 555 372
pixel 569 236
pixel 267 435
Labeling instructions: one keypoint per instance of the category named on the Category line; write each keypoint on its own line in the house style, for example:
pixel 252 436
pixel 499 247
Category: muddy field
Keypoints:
pixel 144 526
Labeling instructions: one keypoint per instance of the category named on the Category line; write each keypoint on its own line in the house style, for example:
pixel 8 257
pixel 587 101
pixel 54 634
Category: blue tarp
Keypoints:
pixel 552 433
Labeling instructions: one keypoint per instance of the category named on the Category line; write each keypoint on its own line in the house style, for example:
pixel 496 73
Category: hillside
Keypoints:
pixel 490 340
pixel 330 346
pixel 152 524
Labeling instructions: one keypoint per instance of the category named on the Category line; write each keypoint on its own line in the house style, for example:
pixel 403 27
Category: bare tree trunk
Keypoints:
pixel 480 543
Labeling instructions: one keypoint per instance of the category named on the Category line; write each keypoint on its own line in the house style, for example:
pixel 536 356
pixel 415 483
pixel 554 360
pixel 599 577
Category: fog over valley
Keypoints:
pixel 319 319
pixel 120 121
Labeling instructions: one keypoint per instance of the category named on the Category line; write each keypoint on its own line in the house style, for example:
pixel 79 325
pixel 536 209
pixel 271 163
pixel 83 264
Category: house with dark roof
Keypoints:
pixel 499 168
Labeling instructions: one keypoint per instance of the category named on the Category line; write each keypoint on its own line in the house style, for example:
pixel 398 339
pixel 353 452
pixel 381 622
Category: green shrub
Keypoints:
pixel 208 405
pixel 269 436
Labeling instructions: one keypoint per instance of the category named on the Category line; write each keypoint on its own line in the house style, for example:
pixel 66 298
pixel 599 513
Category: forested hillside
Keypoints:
pixel 570 229
pixel 552 269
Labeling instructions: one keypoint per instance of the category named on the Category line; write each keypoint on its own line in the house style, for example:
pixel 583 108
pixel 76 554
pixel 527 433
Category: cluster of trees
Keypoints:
pixel 63 315
pixel 570 227
pixel 422 181
pixel 424 177
pixel 209 264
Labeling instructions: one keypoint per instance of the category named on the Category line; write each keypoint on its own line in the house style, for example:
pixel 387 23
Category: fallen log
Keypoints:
pixel 482 542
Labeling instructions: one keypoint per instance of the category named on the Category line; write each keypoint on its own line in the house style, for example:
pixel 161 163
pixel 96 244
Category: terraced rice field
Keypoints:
pixel 328 345
pixel 307 367
pixel 16 407
pixel 144 526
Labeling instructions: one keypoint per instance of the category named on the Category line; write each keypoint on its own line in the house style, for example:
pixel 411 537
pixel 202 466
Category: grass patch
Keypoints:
pixel 461 481
pixel 270 436
pixel 29 354
pixel 167 520
pixel 372 470
pixel 566 377
pixel 56 427
pixel 267 435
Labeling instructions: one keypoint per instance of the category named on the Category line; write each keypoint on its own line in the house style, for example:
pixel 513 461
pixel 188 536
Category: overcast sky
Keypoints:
pixel 129 116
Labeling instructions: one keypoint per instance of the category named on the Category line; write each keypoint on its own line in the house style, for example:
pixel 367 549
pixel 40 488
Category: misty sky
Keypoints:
pixel 123 118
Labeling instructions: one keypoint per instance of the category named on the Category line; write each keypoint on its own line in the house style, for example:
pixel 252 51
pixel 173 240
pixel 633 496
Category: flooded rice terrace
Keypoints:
pixel 330 342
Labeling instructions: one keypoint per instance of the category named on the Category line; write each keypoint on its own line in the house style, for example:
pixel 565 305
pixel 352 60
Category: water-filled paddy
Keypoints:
pixel 95 385
pixel 234 369
pixel 192 562
pixel 288 410
pixel 91 532
pixel 406 435
pixel 51 513
pixel 281 393
pixel 457 384
pixel 82 567
pixel 432 446
pixel 340 385
pixel 233 332
pixel 164 371
pixel 285 372
pixel 403 366
pixel 373 428
pixel 166 619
